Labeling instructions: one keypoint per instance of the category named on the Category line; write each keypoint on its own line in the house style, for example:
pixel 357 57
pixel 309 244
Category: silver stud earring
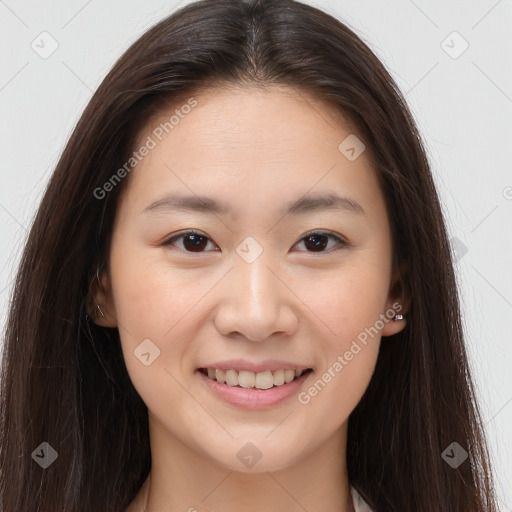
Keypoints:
pixel 398 317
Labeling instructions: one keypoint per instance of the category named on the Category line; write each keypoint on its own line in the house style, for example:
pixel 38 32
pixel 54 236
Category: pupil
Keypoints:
pixel 317 244
pixel 196 242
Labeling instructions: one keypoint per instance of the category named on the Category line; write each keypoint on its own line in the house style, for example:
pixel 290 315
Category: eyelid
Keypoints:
pixel 325 232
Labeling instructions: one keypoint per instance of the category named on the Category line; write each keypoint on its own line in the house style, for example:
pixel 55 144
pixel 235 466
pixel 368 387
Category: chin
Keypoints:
pixel 257 456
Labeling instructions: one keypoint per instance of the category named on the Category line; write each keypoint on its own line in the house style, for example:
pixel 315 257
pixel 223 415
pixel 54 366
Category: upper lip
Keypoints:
pixel 243 365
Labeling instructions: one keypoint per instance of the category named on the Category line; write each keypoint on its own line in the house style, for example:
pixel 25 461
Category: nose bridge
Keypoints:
pixel 258 289
pixel 255 303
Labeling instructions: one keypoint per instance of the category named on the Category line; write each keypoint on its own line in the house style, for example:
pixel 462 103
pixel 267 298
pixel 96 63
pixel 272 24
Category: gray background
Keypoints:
pixel 462 101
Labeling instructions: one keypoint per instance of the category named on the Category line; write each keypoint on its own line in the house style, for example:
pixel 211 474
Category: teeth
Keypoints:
pixel 261 380
pixel 246 379
pixel 231 378
pixel 289 375
pixel 264 380
pixel 279 378
pixel 220 376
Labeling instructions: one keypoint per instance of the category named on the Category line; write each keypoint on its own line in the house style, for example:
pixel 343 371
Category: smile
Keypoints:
pixel 248 379
pixel 226 386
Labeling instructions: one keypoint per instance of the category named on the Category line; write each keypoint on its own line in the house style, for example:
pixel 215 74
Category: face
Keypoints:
pixel 258 285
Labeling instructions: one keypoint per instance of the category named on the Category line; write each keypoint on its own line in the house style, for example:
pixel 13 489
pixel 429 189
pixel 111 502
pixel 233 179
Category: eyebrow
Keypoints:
pixel 208 205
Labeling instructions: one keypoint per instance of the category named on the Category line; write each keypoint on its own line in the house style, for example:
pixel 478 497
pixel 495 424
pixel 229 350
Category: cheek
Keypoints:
pixel 153 303
pixel 346 301
pixel 347 311
pixel 150 296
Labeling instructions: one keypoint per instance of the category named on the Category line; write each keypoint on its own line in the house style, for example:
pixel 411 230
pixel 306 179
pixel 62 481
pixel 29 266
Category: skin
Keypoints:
pixel 255 150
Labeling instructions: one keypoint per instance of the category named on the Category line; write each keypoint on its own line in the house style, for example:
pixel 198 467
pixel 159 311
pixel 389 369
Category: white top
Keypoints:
pixel 359 504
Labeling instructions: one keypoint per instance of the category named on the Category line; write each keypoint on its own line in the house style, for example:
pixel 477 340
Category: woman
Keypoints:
pixel 238 289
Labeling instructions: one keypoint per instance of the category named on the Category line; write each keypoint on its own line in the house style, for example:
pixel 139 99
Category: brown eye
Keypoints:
pixel 193 241
pixel 317 241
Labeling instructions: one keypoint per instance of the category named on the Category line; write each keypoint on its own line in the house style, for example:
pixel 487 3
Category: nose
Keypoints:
pixel 256 302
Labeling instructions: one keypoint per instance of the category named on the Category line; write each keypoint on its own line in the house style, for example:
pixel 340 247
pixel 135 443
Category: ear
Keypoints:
pixel 399 301
pixel 100 304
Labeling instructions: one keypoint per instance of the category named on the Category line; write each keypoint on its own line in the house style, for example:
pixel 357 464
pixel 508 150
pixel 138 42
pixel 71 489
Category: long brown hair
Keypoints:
pixel 64 381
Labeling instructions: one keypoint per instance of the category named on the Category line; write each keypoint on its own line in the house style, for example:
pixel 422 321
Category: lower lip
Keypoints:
pixel 254 399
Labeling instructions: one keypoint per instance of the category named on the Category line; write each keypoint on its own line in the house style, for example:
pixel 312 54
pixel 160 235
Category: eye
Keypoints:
pixel 318 240
pixel 195 241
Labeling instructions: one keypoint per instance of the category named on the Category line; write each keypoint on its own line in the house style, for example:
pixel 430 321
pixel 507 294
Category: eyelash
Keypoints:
pixel 342 242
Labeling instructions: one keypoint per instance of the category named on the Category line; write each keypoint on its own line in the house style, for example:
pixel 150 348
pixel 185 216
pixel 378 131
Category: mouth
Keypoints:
pixel 255 381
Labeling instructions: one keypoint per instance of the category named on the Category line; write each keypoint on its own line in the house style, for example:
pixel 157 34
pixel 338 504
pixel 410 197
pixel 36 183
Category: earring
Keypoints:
pixel 98 306
pixel 398 317
pixel 89 319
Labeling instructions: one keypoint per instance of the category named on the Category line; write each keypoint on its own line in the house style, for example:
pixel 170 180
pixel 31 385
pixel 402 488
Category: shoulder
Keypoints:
pixel 359 504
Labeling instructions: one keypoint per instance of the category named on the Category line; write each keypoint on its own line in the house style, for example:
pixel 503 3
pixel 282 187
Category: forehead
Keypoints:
pixel 237 115
pixel 248 143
